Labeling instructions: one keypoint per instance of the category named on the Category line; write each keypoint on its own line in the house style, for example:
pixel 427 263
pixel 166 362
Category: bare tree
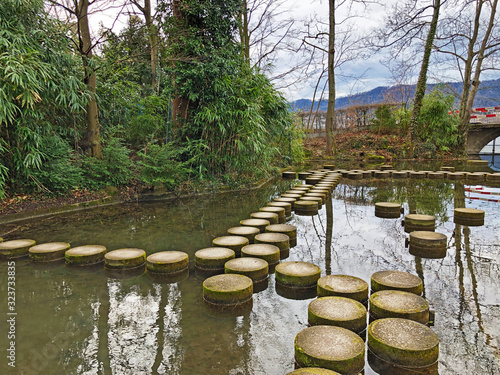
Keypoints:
pixel 422 78
pixel 402 72
pixel 470 39
pixel 338 41
pixel 268 36
pixel 408 25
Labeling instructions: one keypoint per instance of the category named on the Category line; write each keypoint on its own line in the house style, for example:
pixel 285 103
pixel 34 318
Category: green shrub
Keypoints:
pixel 58 171
pixel 161 165
pixel 384 121
pixel 435 124
pixel 115 168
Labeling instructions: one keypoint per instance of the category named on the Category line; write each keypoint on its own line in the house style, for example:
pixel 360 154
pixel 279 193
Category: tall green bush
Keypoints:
pixel 436 125
pixel 384 121
pixel 39 87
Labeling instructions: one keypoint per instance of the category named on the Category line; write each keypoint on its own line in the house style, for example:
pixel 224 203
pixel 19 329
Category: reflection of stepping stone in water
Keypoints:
pixel 387 210
pixel 430 245
pixel 468 216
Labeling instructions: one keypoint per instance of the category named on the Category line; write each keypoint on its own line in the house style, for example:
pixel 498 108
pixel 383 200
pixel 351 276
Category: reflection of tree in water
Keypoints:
pixel 132 327
pixel 170 355
pixel 463 249
pixel 430 197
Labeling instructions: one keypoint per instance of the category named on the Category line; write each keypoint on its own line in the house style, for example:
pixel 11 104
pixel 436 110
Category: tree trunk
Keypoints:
pixel 93 136
pixel 153 40
pixel 330 111
pixel 422 78
pixel 180 104
pixel 471 85
pixel 244 33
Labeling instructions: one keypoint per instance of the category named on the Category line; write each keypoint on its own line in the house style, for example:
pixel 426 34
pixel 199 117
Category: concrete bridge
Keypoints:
pixel 480 135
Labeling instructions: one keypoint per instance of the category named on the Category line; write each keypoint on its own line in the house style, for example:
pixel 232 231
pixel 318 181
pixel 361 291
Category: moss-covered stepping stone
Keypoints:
pixel 306 207
pixel 286 200
pixel 85 255
pixel 303 175
pixel 125 258
pixel 337 311
pixel 457 175
pixel 436 175
pixel 468 216
pixel 302 188
pixel 330 347
pixel 418 175
pixel 269 216
pixel 234 243
pixel 48 252
pixel 261 224
pixel 289 230
pixel 313 180
pixel 396 280
pixel 308 198
pixel 167 262
pixel 313 371
pixel 418 222
pixel 322 196
pixel 355 175
pixel 289 175
pixel 15 248
pixel 326 192
pixel 403 342
pixel 398 304
pixel 477 162
pixel 280 211
pixel 399 174
pixel 476 177
pixel 267 252
pixel 244 231
pixel 213 258
pixel 493 177
pixel 382 174
pixel 289 195
pixel 285 205
pixel 428 244
pixel 282 241
pixel 297 274
pixel 387 210
pixel 255 268
pixel 227 289
pixel 343 286
pixel 448 169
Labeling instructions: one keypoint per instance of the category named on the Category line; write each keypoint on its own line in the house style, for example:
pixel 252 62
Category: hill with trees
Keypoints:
pixel 488 95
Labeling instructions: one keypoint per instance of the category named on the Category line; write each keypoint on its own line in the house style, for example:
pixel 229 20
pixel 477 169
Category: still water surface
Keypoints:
pixel 79 321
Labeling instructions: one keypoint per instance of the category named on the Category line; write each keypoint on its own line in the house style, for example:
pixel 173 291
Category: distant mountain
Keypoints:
pixel 487 96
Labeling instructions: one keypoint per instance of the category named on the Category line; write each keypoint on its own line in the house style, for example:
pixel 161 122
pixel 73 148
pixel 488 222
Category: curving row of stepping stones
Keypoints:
pixel 398 336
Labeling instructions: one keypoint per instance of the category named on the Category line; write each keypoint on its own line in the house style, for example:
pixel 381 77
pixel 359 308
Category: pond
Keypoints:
pixel 82 321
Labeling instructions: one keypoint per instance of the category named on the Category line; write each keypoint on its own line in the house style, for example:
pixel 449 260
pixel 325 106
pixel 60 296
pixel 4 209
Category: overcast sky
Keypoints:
pixel 353 77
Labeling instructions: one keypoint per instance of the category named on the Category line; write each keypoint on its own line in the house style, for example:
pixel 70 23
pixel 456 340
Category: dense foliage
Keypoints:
pixel 437 128
pixel 237 128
